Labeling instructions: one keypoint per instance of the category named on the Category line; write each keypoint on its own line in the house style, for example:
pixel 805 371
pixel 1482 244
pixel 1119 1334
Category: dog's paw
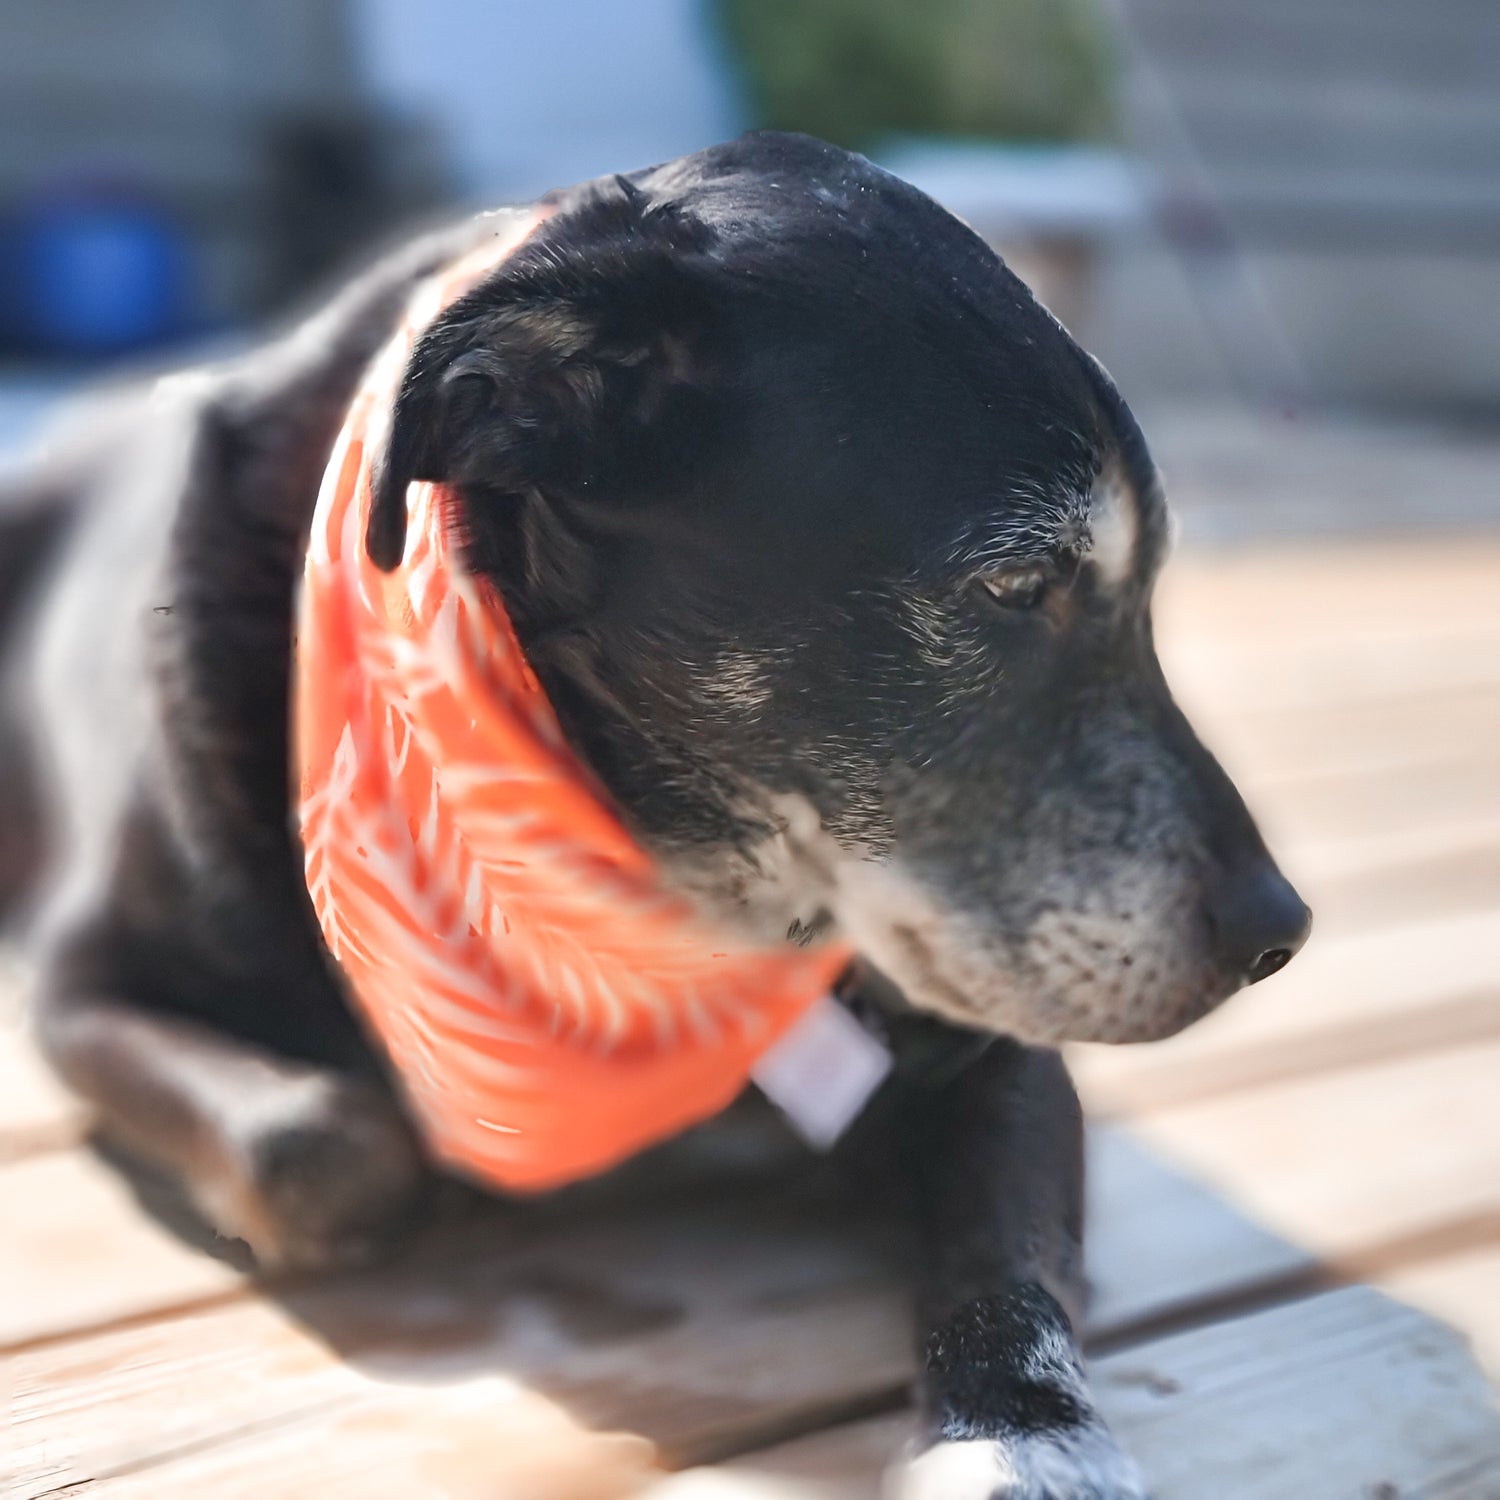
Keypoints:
pixel 1082 1463
pixel 328 1177
pixel 1006 1395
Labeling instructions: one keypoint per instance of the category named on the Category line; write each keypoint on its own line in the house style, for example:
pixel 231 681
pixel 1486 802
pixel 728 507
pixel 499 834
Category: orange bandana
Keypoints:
pixel 548 1007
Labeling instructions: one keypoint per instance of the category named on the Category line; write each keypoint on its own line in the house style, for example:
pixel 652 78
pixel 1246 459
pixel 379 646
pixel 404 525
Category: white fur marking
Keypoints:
pixel 950 1471
pixel 1113 524
pixel 741 682
pixel 1082 1461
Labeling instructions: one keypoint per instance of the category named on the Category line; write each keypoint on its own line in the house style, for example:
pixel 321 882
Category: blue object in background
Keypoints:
pixel 96 270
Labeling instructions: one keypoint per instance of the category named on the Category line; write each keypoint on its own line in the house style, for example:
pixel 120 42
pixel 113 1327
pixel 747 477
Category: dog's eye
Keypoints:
pixel 1020 587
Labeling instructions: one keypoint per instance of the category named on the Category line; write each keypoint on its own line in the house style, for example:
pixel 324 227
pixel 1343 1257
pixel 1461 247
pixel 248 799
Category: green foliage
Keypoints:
pixel 853 71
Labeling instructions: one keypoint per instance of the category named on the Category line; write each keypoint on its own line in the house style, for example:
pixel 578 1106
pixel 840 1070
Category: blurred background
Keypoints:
pixel 1278 224
pixel 1258 210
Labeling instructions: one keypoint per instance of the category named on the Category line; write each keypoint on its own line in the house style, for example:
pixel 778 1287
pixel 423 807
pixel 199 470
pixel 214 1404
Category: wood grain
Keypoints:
pixel 1342 1118
pixel 1462 1290
pixel 1348 1159
pixel 36 1112
pixel 78 1251
pixel 1346 1000
pixel 706 1330
pixel 1346 1394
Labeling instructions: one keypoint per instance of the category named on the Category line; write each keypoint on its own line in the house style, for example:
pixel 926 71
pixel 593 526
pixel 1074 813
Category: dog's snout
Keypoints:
pixel 1259 922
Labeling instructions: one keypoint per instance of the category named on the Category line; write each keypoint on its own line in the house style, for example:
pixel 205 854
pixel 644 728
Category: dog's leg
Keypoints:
pixel 309 1166
pixel 998 1161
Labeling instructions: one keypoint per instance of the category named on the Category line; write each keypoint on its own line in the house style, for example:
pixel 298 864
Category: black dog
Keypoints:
pixel 834 553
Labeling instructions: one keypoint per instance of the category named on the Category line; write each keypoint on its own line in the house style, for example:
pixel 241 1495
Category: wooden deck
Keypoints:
pixel 1296 1237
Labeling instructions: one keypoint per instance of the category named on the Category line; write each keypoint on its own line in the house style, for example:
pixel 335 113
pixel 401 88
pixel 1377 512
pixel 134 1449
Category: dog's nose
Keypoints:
pixel 1259 922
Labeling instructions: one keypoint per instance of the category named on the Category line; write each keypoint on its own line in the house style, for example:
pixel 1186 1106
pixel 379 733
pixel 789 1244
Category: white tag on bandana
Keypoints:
pixel 821 1073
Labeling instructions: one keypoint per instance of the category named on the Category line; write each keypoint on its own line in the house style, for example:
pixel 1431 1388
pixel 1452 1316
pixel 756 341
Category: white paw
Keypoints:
pixel 323 1175
pixel 1075 1463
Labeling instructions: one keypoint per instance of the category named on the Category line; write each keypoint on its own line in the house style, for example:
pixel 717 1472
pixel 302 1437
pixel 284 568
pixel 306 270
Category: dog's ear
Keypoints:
pixel 560 373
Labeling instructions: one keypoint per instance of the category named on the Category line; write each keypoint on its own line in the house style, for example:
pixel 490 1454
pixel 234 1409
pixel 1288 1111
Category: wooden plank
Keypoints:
pixel 78 1251
pixel 1329 809
pixel 1384 851
pixel 1451 876
pixel 1395 815
pixel 1345 1000
pixel 110 1263
pixel 488 1439
pixel 1160 1246
pixel 721 1330
pixel 1294 593
pixel 1369 772
pixel 1261 746
pixel 848 1462
pixel 82 1254
pixel 387 1406
pixel 1285 675
pixel 1181 1074
pixel 1461 1290
pixel 706 1329
pixel 1342 1162
pixel 1346 1394
pixel 1312 629
pixel 36 1112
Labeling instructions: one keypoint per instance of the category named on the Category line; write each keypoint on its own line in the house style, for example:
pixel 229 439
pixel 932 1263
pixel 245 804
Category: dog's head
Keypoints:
pixel 836 555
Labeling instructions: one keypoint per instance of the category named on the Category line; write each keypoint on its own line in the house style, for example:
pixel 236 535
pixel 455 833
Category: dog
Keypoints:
pixel 834 554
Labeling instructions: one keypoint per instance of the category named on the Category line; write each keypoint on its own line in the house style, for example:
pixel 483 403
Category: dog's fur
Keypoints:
pixel 834 553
